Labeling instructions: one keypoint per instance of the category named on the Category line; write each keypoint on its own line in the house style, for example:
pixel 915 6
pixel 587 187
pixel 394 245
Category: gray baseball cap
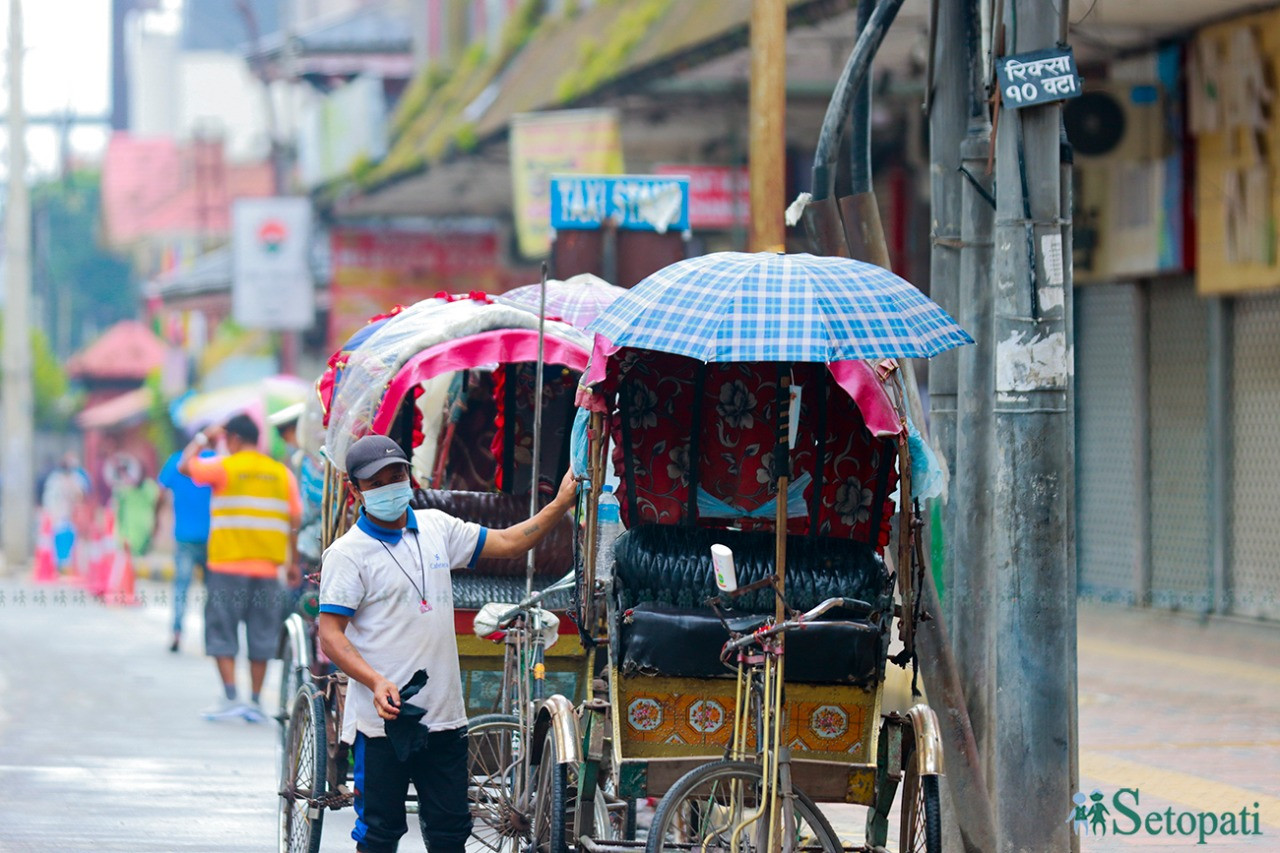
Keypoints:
pixel 369 455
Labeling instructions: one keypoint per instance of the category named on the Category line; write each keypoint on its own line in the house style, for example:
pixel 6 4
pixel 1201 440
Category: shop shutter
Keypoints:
pixel 1108 463
pixel 1255 512
pixel 1181 568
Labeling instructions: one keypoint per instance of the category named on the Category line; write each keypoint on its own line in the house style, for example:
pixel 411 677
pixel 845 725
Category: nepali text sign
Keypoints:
pixel 1038 77
pixel 719 196
pixel 560 142
pixel 271 285
pixel 375 270
pixel 630 202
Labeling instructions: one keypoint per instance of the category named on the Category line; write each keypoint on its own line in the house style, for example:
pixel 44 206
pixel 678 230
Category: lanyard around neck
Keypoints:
pixel 423 606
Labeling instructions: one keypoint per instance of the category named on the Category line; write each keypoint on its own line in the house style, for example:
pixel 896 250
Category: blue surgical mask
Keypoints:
pixel 388 503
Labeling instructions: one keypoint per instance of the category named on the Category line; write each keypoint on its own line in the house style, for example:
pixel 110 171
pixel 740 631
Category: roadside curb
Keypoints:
pixel 154 567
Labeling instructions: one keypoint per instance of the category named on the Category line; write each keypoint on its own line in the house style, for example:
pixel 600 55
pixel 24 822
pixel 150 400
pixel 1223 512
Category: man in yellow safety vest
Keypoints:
pixel 253 519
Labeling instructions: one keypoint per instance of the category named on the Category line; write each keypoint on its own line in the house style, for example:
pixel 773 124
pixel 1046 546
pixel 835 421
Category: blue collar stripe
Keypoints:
pixel 386 534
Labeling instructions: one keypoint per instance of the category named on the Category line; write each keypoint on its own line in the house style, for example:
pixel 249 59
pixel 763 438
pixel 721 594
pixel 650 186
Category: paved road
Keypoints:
pixel 101 744
pixel 102 747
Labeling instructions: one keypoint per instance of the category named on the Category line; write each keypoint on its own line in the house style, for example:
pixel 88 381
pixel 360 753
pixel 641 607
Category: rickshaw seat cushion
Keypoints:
pixel 663 578
pixel 670 565
pixel 553 555
pixel 686 643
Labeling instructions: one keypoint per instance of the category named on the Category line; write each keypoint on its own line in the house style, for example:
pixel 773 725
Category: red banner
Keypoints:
pixel 719 196
pixel 375 270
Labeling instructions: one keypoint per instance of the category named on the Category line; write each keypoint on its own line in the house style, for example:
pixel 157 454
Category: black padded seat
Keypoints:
pixel 471 591
pixel 554 554
pixel 663 577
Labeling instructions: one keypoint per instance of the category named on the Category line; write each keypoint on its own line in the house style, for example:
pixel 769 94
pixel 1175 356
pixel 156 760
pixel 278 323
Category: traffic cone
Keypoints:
pixel 45 569
pixel 120 586
pixel 102 550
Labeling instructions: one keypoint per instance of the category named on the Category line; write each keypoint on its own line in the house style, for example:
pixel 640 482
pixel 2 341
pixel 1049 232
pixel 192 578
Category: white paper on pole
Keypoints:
pixel 271 284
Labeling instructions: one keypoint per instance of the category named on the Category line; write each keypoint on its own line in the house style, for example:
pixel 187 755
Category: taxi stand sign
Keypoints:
pixel 1038 77
pixel 630 202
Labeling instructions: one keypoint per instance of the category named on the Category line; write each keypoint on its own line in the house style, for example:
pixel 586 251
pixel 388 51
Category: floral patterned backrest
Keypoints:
pixel 736 429
pixel 558 387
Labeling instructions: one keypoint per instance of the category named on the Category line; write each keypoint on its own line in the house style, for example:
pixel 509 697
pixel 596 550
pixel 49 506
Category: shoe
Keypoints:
pixel 252 713
pixel 227 709
pixel 173 647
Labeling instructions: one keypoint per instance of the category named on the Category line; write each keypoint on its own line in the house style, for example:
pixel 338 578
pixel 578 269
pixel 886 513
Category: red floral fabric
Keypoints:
pixel 739 409
pixel 558 387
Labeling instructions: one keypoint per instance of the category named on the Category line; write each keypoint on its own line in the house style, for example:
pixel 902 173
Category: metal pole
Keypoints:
pixel 768 98
pixel 537 419
pixel 19 486
pixel 1033 457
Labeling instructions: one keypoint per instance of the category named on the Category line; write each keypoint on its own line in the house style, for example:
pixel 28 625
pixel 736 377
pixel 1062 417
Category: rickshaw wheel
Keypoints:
pixel 303 779
pixel 494 786
pixel 290 681
pixel 701 809
pixel 921 828
pixel 551 800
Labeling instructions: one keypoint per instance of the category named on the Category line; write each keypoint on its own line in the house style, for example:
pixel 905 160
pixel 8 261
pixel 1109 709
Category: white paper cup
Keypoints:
pixel 722 561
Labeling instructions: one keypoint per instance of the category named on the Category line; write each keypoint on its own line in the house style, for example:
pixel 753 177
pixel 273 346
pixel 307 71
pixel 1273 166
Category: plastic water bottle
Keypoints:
pixel 608 529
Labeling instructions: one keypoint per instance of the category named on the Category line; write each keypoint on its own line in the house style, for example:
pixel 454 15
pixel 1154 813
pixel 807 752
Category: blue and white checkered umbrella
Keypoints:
pixel 732 306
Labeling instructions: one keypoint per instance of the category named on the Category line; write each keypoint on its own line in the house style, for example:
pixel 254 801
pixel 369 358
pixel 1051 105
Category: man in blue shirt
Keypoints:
pixel 190 533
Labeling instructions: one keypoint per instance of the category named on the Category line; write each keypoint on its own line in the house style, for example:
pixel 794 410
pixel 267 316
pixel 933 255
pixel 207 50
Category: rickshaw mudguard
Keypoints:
pixel 928 739
pixel 294 636
pixel 557 715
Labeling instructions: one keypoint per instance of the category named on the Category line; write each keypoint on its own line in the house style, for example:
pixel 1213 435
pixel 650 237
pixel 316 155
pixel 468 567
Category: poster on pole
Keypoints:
pixel 559 142
pixel 271 283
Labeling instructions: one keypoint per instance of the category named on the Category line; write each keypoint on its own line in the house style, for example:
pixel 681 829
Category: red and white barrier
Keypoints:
pixel 45 569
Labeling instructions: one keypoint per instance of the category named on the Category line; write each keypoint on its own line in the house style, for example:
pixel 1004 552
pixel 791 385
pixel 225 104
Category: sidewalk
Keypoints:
pixel 1185 711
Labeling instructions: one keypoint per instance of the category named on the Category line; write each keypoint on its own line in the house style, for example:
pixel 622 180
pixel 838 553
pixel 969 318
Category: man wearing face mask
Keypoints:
pixel 386 611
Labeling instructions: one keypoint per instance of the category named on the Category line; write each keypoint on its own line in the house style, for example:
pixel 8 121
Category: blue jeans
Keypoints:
pixel 185 557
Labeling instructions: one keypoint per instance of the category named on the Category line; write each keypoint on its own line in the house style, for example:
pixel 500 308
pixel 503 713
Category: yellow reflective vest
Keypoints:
pixel 249 517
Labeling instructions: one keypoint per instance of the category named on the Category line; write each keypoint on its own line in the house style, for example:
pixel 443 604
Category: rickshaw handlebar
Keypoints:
pixel 564 583
pixel 791 624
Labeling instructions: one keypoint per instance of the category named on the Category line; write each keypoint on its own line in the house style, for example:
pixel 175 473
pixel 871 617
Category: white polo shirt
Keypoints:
pixel 374 575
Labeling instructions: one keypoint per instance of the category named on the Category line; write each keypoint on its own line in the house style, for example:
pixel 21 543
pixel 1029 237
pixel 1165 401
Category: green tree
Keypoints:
pixel 53 399
pixel 84 287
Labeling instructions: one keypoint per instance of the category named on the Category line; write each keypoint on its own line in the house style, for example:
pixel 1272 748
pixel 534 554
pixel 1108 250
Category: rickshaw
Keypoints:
pixel 793 465
pixel 453 381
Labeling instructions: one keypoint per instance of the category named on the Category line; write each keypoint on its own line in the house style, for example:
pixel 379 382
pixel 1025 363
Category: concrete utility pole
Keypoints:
pixel 767 159
pixel 19 486
pixel 1033 459
pixel 973 581
pixel 947 114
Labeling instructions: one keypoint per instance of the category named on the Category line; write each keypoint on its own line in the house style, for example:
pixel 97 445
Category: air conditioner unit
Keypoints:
pixel 1122 148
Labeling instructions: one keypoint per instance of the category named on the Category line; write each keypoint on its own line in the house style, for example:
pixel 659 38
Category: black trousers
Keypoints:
pixel 438 772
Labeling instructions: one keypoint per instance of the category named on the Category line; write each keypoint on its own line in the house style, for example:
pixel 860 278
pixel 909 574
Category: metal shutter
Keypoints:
pixel 1109 477
pixel 1181 566
pixel 1255 562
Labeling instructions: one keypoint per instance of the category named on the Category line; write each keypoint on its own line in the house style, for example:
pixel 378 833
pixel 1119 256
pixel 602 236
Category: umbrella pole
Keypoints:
pixel 537 418
pixel 782 467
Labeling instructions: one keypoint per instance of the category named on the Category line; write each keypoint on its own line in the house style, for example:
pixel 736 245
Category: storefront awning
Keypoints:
pixel 128 408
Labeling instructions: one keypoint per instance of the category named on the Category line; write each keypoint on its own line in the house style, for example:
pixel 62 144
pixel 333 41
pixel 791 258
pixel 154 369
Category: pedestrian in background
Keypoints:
pixel 254 510
pixel 66 490
pixel 133 500
pixel 190 504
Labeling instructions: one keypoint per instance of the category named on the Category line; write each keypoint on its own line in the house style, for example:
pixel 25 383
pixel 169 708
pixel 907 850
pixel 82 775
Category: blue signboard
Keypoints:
pixel 634 202
pixel 1038 77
